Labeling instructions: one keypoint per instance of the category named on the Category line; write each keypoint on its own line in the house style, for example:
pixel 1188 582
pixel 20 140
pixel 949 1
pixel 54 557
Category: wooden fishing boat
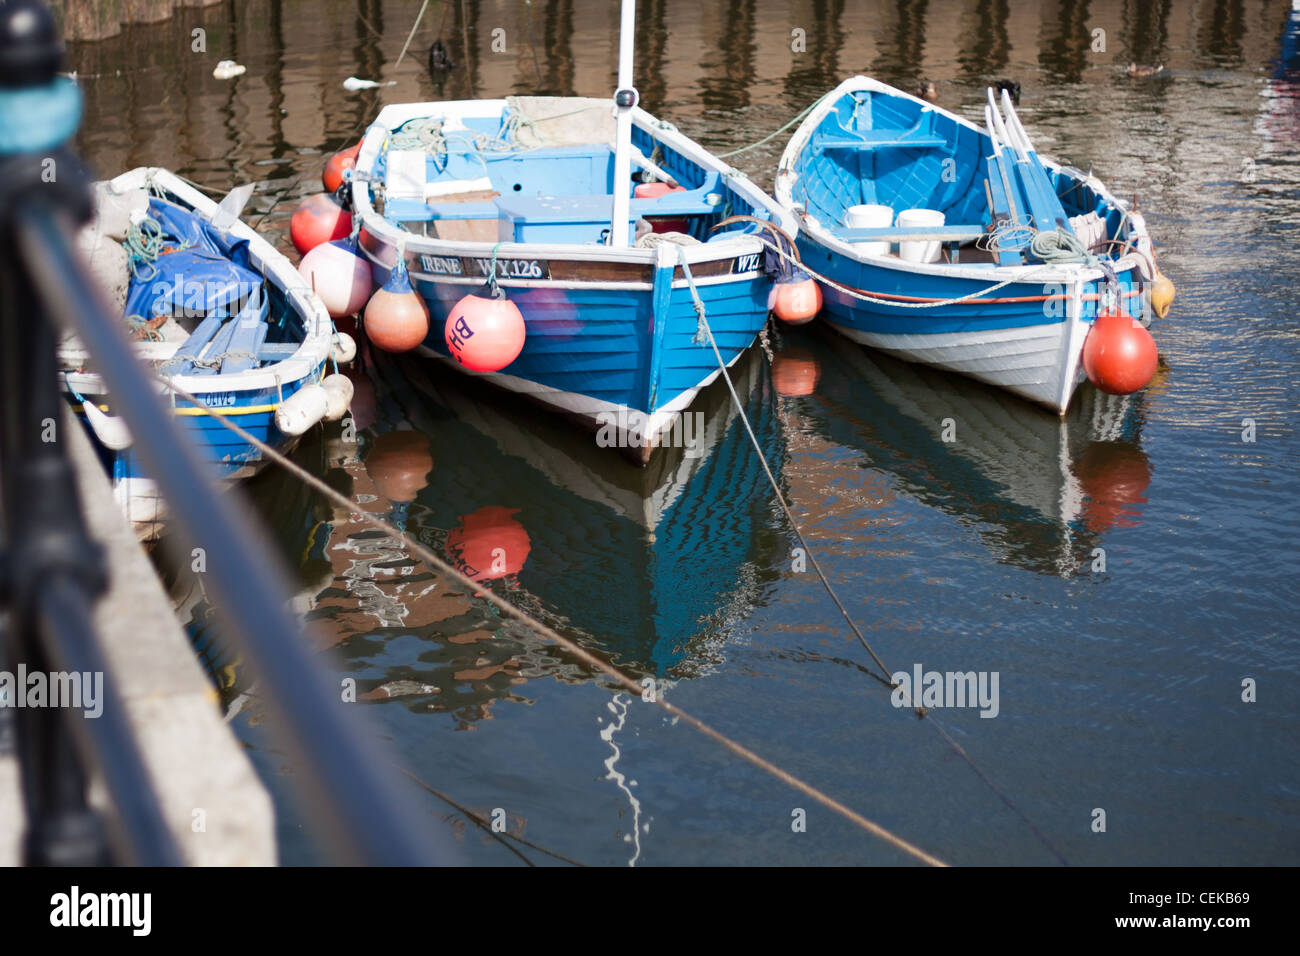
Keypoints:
pixel 536 196
pixel 219 313
pixel 952 245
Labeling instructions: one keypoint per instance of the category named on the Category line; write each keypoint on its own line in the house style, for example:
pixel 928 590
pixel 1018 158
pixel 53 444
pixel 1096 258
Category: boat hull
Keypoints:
pixel 1025 337
pixel 622 358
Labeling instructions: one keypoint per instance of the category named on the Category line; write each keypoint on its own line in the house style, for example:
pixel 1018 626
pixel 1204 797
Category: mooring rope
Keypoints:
pixel 486 827
pixel 770 136
pixel 704 332
pixel 571 646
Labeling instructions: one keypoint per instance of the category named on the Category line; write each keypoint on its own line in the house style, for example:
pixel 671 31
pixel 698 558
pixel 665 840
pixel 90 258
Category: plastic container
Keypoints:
pixel 870 217
pixel 912 251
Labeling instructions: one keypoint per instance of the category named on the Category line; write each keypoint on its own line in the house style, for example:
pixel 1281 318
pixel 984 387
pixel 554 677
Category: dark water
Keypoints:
pixel 1119 690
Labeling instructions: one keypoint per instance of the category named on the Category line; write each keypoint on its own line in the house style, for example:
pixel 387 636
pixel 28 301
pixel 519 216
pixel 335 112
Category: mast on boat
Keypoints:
pixel 624 99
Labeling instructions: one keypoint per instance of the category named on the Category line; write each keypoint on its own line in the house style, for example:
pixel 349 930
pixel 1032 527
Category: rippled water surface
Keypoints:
pixel 1119 690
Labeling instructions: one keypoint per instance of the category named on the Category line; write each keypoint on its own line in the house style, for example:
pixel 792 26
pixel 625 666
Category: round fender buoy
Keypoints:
pixel 797 299
pixel 1162 294
pixel 795 372
pixel 485 333
pixel 345 159
pixel 301 410
pixel 317 220
pixel 1119 355
pixel 343 348
pixel 1114 477
pixel 338 396
pixel 399 463
pixel 396 320
pixel 338 275
pixel 489 543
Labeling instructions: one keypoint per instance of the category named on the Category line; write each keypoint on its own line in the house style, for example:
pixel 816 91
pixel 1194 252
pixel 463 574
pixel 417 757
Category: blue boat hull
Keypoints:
pixel 624 362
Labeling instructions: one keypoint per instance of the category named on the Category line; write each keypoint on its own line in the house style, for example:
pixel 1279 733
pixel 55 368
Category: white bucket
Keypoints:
pixel 919 219
pixel 870 217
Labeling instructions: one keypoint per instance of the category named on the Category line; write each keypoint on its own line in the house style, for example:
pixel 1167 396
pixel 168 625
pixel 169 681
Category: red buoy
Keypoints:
pixel 795 373
pixel 396 320
pixel 485 333
pixel 796 299
pixel 337 165
pixel 1114 477
pixel 318 219
pixel 1119 355
pixel 489 543
pixel 399 463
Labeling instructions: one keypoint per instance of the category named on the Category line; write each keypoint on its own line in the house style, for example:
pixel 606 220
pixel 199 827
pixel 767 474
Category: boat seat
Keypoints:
pixel 562 219
pixel 277 351
pixel 919 234
pixel 416 210
pixel 880 139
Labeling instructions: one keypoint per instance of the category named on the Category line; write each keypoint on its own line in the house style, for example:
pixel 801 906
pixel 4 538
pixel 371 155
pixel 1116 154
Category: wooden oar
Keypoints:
pixel 1004 193
pixel 1047 209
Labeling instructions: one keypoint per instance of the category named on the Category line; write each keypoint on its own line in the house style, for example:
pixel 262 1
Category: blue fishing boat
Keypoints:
pixel 956 246
pixel 218 312
pixel 537 196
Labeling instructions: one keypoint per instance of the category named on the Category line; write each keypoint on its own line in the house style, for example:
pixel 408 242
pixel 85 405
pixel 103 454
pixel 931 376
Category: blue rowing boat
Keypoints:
pixel 219 313
pixel 528 192
pixel 956 246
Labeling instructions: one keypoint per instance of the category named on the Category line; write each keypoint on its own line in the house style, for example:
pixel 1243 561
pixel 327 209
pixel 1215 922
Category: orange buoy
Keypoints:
pixel 489 543
pixel 795 372
pixel 396 320
pixel 340 276
pixel 1114 477
pixel 485 332
pixel 399 463
pixel 1119 355
pixel 318 219
pixel 337 165
pixel 1162 294
pixel 796 299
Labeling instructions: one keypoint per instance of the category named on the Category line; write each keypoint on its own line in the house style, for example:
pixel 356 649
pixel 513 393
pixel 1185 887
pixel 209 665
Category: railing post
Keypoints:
pixel 44 533
pixel 52 571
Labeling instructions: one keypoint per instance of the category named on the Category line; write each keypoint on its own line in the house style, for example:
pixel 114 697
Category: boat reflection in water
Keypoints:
pixel 1040 490
pixel 646 567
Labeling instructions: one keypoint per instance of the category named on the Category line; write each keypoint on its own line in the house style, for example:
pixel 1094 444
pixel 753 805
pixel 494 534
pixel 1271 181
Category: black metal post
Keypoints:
pixel 342 779
pixel 53 571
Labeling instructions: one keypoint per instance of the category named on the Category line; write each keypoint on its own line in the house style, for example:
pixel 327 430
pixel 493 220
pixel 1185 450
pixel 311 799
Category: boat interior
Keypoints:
pixel 475 178
pixel 195 296
pixel 880 148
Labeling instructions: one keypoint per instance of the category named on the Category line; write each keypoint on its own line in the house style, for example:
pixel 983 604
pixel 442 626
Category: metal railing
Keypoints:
pixel 51 571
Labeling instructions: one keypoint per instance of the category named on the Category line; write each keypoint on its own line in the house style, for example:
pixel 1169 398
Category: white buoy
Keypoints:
pixel 340 276
pixel 111 432
pixel 338 395
pixel 301 410
pixel 343 348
